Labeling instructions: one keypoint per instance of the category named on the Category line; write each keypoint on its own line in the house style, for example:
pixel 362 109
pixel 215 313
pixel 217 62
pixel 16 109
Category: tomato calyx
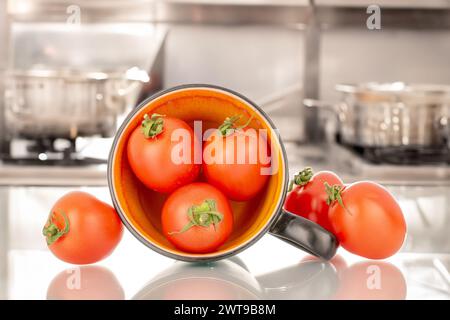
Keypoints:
pixel 302 178
pixel 228 126
pixel 152 126
pixel 202 215
pixel 51 230
pixel 335 194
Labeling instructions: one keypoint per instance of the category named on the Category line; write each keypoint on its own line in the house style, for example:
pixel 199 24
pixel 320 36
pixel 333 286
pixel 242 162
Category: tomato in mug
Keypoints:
pixel 150 150
pixel 309 197
pixel 232 161
pixel 366 219
pixel 82 229
pixel 197 218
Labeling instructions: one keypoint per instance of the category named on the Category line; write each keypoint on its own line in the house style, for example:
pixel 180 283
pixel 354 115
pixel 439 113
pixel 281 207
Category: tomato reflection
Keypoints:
pixel 85 283
pixel 372 280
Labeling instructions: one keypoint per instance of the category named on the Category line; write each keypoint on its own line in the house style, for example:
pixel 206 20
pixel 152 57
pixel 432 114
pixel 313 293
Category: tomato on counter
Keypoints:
pixel 308 198
pixel 82 229
pixel 197 218
pixel 150 149
pixel 237 169
pixel 366 219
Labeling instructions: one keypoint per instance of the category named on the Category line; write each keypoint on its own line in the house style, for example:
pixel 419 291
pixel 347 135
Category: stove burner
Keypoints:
pixel 50 162
pixel 48 152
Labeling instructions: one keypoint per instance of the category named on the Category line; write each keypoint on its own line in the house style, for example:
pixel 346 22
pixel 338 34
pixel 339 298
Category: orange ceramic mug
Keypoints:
pixel 140 207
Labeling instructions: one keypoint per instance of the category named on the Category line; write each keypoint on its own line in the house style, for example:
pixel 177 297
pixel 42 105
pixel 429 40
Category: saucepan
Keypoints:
pixel 397 121
pixel 140 208
pixel 69 103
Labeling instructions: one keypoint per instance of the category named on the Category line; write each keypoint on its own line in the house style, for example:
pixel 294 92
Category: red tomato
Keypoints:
pixel 197 218
pixel 367 220
pixel 85 283
pixel 232 163
pixel 151 150
pixel 309 197
pixel 82 229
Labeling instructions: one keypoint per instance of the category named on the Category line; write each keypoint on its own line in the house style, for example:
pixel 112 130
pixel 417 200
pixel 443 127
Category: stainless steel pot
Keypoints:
pixel 68 103
pixel 394 116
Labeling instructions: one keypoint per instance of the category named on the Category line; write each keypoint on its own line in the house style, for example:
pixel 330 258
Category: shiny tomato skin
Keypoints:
pixel 372 224
pixel 310 200
pixel 238 181
pixel 151 158
pixel 95 229
pixel 197 239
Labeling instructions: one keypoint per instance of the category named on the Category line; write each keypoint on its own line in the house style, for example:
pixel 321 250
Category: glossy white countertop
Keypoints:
pixel 270 269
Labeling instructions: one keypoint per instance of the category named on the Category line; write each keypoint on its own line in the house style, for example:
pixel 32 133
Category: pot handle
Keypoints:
pixel 305 234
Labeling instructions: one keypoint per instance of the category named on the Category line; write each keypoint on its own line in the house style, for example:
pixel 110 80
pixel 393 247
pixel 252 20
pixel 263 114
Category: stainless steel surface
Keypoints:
pixel 41 171
pixel 351 167
pixel 423 14
pixel 311 74
pixel 267 270
pixel 279 99
pixel 74 69
pixel 4 40
pixel 41 175
pixel 346 163
pixel 221 12
pixel 392 122
pixel 68 103
pixel 394 114
pixel 298 15
pixel 4 238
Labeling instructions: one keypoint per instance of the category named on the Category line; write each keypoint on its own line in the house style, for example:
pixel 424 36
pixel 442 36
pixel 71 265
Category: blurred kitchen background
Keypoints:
pixel 368 101
pixel 71 70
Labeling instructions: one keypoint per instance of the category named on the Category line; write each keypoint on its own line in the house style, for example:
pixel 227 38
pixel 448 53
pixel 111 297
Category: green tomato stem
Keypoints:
pixel 51 230
pixel 152 126
pixel 202 215
pixel 302 178
pixel 335 194
pixel 228 126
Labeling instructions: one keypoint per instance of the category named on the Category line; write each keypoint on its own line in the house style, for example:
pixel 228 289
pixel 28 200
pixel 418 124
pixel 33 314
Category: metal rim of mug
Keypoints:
pixel 275 215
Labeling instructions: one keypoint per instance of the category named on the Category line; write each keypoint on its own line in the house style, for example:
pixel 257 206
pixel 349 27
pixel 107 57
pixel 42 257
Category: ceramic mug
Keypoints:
pixel 140 208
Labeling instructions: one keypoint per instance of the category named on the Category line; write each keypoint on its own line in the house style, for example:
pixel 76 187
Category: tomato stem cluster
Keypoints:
pixel 228 125
pixel 152 126
pixel 335 194
pixel 202 215
pixel 51 230
pixel 301 178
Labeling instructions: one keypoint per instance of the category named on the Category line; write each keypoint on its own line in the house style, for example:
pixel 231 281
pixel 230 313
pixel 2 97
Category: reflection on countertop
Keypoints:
pixel 269 269
pixel 89 282
pixel 308 279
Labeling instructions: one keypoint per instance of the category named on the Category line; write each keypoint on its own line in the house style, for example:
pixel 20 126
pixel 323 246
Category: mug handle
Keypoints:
pixel 305 234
